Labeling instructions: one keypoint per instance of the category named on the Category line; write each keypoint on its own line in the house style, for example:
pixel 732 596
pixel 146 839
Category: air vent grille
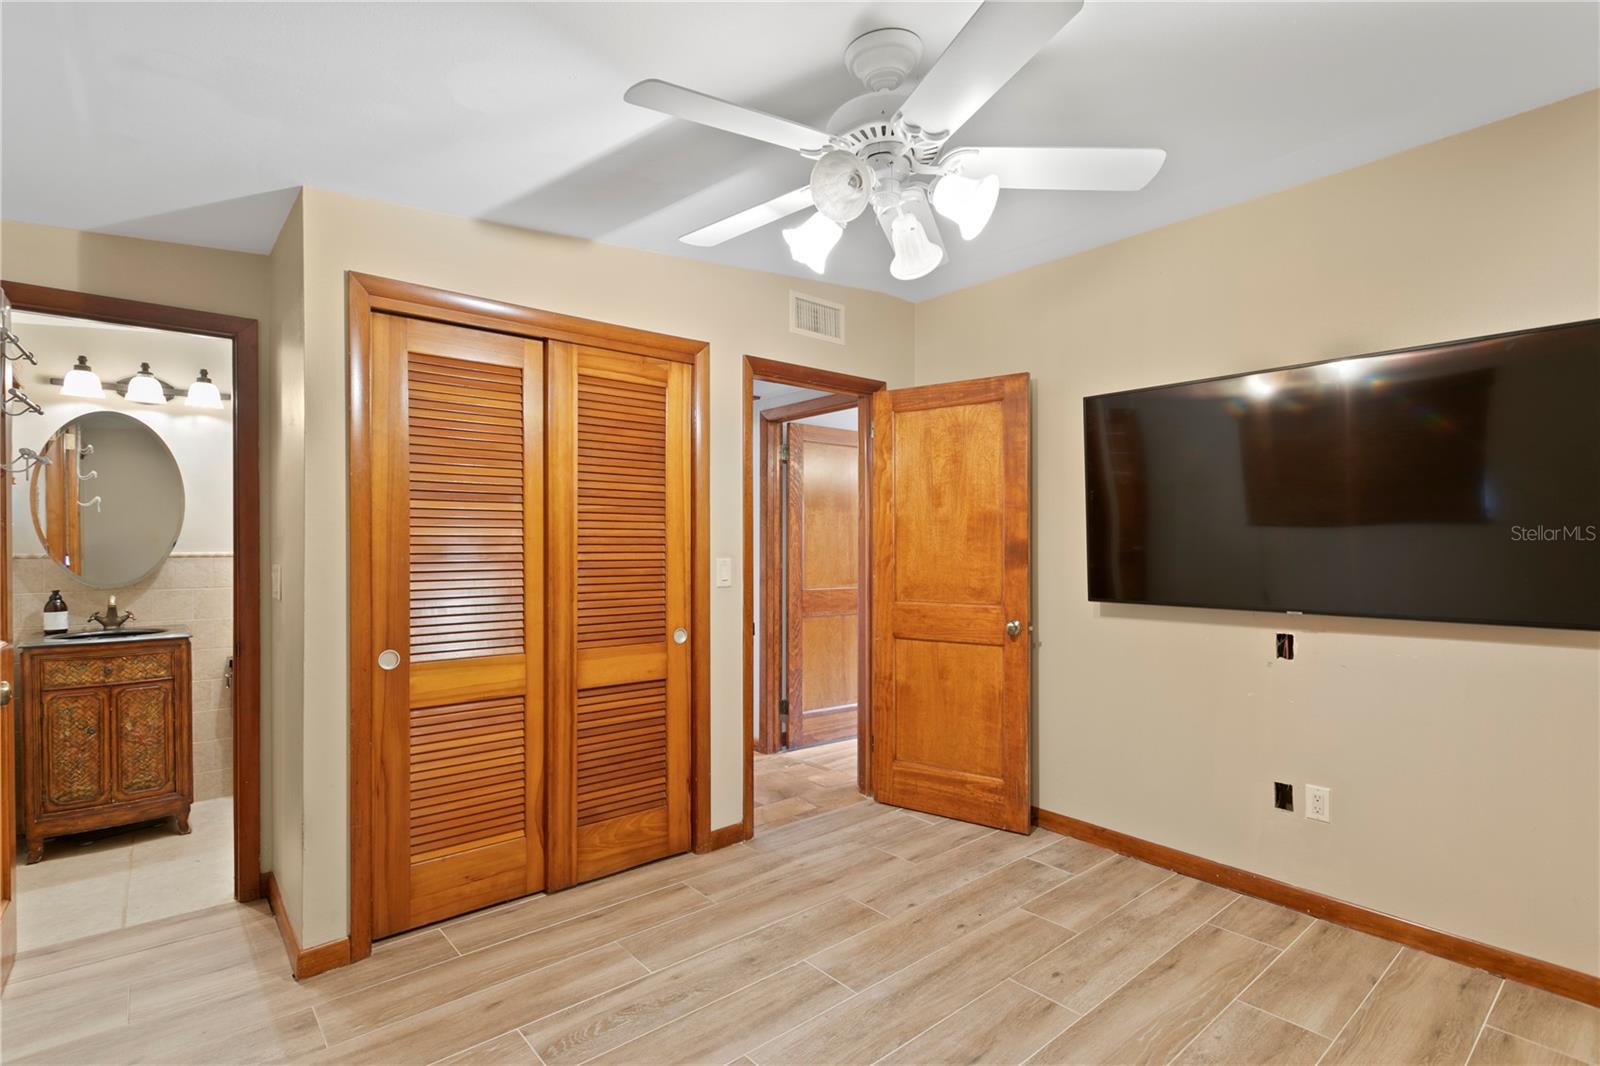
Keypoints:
pixel 816 318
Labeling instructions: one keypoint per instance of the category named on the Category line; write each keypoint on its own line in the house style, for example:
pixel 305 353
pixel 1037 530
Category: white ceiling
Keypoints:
pixel 196 123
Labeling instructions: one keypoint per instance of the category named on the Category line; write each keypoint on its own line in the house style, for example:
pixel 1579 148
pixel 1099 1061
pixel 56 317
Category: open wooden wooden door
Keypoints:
pixel 824 532
pixel 621 659
pixel 951 621
pixel 457 472
pixel 8 704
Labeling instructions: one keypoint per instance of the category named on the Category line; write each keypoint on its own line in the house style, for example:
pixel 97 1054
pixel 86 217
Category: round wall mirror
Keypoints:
pixel 109 504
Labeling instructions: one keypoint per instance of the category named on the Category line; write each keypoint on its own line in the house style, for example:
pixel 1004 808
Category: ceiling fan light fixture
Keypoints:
pixel 841 185
pixel 81 382
pixel 145 387
pixel 812 240
pixel 968 202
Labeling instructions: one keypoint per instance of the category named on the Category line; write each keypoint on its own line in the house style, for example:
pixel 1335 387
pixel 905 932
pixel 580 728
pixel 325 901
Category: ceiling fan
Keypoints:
pixel 886 148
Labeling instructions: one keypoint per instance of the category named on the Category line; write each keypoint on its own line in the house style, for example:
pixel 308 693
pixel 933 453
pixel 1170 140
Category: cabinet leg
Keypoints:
pixel 35 850
pixel 183 822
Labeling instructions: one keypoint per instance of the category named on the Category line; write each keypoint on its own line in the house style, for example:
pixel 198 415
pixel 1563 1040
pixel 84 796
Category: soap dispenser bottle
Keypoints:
pixel 55 614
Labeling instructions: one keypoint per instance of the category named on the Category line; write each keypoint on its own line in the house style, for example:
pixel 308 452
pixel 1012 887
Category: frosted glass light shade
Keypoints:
pixel 812 240
pixel 144 388
pixel 82 382
pixel 915 255
pixel 204 393
pixel 968 202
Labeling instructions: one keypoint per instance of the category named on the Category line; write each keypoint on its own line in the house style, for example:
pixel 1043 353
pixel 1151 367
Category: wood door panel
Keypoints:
pixel 948 477
pixel 619 573
pixel 458 494
pixel 968 678
pixel 823 548
pixel 951 516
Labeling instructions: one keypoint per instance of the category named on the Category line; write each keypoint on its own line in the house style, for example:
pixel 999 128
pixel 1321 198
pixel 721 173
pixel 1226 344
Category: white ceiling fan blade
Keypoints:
pixel 997 41
pixel 1081 169
pixel 683 103
pixel 750 218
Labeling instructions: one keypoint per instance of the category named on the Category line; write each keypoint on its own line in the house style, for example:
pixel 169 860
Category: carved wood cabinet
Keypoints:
pixel 106 736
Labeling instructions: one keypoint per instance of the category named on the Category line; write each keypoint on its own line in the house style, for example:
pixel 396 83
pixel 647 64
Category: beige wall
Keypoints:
pixel 738 312
pixel 1464 760
pixel 283 775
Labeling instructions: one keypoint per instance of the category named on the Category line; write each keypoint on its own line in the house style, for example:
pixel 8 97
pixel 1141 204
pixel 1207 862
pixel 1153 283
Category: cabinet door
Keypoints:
pixel 74 748
pixel 620 500
pixel 144 740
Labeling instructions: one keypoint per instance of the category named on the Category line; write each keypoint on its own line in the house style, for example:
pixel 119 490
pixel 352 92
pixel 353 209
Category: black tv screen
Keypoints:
pixel 1456 482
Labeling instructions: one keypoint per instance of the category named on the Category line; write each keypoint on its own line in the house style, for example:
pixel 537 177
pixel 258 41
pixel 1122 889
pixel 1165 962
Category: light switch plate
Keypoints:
pixel 724 573
pixel 277 581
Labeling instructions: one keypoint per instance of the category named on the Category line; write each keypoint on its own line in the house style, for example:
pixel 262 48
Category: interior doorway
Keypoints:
pixel 807 554
pixel 137 747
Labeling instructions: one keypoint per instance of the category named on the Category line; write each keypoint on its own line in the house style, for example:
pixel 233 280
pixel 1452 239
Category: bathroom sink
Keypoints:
pixel 110 634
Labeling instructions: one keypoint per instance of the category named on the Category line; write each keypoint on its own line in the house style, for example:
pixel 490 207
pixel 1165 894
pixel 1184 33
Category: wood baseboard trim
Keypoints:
pixel 1573 984
pixel 727 836
pixel 304 962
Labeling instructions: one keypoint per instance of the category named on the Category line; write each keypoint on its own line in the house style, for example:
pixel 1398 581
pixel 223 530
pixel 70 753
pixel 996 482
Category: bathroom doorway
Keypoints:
pixel 134 606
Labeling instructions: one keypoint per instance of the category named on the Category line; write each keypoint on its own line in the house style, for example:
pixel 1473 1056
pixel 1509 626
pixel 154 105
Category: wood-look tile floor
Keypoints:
pixel 845 932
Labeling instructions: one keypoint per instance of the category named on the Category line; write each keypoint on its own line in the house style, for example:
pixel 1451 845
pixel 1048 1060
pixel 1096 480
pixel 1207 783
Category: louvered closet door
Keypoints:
pixel 458 528
pixel 619 507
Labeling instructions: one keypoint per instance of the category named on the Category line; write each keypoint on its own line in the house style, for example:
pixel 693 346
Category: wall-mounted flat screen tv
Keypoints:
pixel 1456 482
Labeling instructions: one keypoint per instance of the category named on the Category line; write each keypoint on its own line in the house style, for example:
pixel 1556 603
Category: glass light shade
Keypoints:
pixel 840 185
pixel 204 393
pixel 82 382
pixel 812 240
pixel 144 388
pixel 968 202
pixel 914 254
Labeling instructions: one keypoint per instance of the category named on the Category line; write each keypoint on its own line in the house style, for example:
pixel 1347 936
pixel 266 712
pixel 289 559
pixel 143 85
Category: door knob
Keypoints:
pixel 680 635
pixel 1014 628
pixel 388 659
pixel 5 693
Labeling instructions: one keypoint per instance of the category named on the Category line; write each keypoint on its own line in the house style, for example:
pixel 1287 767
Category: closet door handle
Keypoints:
pixel 388 659
pixel 680 635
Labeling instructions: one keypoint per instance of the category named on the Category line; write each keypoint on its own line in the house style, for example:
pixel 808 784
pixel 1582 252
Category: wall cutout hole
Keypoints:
pixel 1286 645
pixel 1283 796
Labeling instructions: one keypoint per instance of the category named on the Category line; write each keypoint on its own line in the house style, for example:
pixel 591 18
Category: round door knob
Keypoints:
pixel 388 659
pixel 108 669
pixel 1014 627
pixel 680 635
pixel 90 731
pixel 5 693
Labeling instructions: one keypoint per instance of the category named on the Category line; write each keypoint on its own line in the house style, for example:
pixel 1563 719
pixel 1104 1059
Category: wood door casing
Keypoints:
pixel 619 571
pixel 8 710
pixel 458 544
pixel 951 569
pixel 823 577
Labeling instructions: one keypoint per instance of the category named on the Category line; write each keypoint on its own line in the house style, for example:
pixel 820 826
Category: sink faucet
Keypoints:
pixel 111 618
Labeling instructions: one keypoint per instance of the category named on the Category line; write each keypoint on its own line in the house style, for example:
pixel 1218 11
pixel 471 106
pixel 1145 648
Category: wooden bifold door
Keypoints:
pixel 530 661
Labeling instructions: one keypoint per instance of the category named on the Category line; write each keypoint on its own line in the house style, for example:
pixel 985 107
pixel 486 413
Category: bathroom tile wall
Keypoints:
pixel 190 590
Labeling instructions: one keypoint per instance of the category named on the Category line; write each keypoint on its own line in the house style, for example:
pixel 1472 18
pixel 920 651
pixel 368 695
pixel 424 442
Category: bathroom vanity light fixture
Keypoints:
pixel 204 393
pixel 82 382
pixel 145 387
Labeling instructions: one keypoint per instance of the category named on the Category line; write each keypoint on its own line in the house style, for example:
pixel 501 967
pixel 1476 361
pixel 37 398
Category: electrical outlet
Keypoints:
pixel 1317 801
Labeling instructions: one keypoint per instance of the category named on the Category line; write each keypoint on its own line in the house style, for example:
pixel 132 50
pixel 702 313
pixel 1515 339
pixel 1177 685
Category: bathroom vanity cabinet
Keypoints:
pixel 106 737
